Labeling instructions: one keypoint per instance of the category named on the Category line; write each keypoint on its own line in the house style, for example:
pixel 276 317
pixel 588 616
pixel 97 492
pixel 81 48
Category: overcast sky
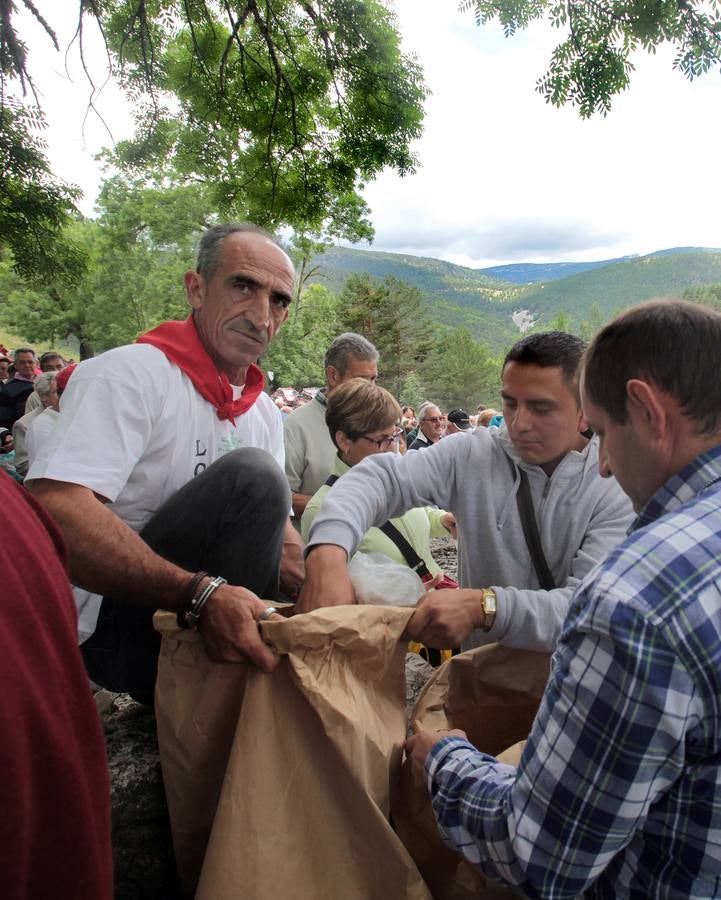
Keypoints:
pixel 502 176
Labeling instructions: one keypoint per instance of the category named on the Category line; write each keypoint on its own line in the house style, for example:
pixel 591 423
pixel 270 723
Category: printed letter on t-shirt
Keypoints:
pixel 200 467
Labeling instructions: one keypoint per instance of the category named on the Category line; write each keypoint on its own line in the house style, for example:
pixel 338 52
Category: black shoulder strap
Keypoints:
pixel 530 528
pixel 409 554
pixel 390 531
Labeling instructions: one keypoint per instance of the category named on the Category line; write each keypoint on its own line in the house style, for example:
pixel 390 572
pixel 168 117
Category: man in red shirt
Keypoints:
pixel 54 786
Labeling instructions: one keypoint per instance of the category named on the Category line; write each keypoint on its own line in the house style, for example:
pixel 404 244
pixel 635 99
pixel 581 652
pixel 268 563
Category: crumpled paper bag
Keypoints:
pixel 492 693
pixel 287 777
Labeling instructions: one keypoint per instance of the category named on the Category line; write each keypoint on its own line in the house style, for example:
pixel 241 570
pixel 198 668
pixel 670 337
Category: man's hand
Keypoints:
pixel 110 558
pixel 229 628
pixel 445 618
pixel 292 565
pixel 448 521
pixel 420 744
pixel 326 579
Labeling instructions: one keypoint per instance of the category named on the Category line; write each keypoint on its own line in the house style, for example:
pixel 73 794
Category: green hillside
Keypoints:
pixel 436 275
pixel 456 295
pixel 622 284
pixel 12 341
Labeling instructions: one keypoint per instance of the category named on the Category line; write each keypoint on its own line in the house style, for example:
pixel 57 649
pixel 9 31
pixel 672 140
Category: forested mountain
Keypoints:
pixel 457 295
pixel 528 273
pixel 623 284
pixel 454 295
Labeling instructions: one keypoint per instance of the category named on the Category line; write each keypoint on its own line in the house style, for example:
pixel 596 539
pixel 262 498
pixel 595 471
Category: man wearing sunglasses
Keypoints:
pixel 432 426
pixel 542 453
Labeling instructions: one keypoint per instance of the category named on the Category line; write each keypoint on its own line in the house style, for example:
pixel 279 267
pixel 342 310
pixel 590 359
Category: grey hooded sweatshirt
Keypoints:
pixel 580 517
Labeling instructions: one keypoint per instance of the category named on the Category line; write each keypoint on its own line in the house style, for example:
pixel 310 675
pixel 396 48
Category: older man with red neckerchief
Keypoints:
pixel 165 472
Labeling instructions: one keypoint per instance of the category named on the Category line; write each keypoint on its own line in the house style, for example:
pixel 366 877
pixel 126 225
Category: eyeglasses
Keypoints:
pixel 434 419
pixel 384 443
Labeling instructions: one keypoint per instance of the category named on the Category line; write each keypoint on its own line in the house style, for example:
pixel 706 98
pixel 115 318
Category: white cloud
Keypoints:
pixel 75 133
pixel 506 176
pixel 503 176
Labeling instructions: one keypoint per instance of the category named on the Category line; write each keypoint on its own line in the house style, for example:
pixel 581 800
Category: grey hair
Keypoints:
pixel 347 345
pixel 425 406
pixel 43 384
pixel 211 243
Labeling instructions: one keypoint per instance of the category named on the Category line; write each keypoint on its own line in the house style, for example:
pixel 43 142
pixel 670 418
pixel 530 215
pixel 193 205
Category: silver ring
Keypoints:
pixel 266 614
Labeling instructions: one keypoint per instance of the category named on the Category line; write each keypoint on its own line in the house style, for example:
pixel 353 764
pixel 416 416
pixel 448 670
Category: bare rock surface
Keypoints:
pixel 445 553
pixel 144 866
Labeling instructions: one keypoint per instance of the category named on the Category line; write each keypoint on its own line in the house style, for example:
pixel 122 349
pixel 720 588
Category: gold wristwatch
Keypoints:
pixel 488 605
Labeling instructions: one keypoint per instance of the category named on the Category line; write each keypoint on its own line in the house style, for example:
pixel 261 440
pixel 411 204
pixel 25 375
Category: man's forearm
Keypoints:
pixel 106 556
pixel 326 579
pixel 530 619
pixel 292 564
pixel 299 503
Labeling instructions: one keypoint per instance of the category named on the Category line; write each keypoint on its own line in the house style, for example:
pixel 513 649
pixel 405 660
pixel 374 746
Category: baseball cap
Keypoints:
pixel 460 418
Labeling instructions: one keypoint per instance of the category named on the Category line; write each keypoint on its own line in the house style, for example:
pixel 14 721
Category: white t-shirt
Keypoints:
pixel 133 429
pixel 38 432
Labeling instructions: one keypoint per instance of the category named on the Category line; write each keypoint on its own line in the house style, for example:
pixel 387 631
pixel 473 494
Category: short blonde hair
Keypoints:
pixel 359 406
pixel 486 415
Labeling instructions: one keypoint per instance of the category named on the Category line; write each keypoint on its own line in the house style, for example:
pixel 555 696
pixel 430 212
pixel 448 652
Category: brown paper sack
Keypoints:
pixel 197 703
pixel 315 749
pixel 492 693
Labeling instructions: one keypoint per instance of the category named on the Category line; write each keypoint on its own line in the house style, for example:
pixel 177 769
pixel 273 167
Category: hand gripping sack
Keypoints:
pixel 314 752
pixel 492 693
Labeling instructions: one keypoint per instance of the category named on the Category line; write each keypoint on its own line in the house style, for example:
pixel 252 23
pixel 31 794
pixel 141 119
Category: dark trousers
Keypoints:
pixel 229 521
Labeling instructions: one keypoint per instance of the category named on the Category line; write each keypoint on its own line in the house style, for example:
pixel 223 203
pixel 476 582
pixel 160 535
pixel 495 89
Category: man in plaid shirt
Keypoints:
pixel 618 791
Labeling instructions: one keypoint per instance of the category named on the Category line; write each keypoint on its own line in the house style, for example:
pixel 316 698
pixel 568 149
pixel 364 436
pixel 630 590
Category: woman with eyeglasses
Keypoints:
pixel 363 419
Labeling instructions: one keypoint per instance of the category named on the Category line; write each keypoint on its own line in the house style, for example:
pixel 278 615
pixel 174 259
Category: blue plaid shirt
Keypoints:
pixel 618 792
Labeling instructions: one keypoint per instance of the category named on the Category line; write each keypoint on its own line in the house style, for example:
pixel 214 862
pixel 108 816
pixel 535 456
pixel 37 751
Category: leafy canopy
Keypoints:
pixel 391 314
pixel 283 109
pixel 137 251
pixel 592 64
pixel 35 206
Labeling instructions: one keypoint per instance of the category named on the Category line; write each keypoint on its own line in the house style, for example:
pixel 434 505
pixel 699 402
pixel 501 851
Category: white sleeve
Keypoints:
pixel 106 418
pixel 276 437
pixel 38 434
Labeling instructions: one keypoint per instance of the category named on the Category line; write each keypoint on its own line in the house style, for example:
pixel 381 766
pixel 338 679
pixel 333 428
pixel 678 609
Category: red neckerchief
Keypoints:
pixel 180 342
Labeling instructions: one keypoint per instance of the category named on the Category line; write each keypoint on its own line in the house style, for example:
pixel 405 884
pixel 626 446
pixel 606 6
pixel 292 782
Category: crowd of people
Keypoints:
pixel 588 525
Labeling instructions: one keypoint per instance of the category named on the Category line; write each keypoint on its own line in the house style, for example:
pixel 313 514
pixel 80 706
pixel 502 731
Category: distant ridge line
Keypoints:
pixel 485 300
pixel 530 273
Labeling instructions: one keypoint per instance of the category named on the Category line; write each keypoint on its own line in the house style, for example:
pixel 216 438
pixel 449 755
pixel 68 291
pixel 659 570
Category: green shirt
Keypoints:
pixel 417 526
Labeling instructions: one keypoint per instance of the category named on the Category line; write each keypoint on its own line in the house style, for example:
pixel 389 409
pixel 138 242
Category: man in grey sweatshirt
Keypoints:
pixel 580 515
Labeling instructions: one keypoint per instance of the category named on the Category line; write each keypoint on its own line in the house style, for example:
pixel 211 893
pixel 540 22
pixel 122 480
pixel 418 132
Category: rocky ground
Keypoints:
pixel 143 855
pixel 445 553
